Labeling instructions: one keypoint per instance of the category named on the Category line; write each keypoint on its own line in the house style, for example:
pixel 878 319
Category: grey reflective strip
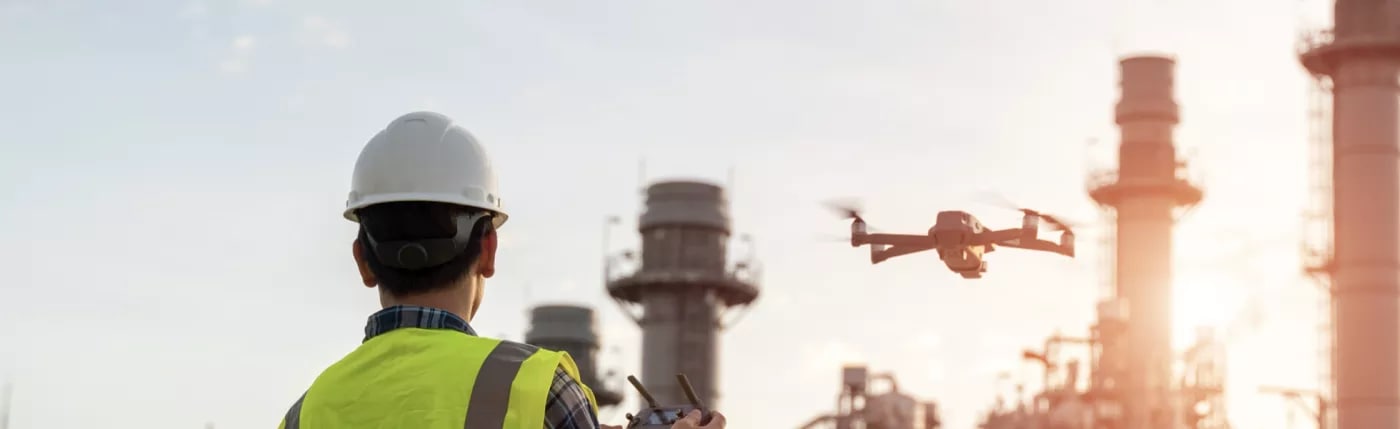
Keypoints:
pixel 293 418
pixel 491 391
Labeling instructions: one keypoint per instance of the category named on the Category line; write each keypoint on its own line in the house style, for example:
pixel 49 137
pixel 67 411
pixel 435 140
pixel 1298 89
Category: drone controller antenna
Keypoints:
pixel 651 401
pixel 690 392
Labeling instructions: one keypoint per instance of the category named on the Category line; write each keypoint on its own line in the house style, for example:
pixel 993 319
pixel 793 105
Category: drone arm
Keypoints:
pixel 1002 236
pixel 1041 245
pixel 920 240
pixel 879 256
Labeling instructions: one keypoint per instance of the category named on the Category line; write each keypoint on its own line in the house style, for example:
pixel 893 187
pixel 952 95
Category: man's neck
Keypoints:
pixel 456 300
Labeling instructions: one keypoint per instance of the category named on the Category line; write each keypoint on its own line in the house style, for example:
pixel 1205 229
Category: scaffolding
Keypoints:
pixel 1317 229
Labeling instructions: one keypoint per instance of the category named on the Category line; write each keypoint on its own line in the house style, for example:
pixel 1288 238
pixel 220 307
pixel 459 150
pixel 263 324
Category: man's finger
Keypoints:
pixel 716 421
pixel 692 417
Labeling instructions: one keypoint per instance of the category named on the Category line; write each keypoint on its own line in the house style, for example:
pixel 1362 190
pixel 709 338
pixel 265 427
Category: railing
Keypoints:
pixel 1312 39
pixel 1108 176
pixel 748 272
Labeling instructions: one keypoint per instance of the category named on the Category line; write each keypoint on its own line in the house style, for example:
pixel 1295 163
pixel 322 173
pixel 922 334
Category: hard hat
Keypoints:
pixel 423 156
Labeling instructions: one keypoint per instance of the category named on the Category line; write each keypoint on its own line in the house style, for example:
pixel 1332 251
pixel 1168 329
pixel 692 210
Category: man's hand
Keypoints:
pixel 692 421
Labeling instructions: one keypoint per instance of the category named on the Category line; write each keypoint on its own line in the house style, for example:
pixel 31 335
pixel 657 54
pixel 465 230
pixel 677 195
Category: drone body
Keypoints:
pixel 962 241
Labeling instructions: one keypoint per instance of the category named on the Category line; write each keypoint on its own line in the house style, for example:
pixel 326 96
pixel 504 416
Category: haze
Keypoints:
pixel 173 172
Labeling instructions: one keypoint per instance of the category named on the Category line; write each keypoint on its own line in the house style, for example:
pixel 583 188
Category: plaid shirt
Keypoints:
pixel 567 406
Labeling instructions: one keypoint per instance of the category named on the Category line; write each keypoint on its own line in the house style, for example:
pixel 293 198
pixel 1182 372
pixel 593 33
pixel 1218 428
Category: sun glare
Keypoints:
pixel 1196 303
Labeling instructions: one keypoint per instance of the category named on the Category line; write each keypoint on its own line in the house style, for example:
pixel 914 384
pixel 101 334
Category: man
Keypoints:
pixel 424 194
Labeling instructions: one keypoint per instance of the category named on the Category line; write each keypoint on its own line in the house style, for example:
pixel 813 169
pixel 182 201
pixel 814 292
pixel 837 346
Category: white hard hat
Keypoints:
pixel 423 156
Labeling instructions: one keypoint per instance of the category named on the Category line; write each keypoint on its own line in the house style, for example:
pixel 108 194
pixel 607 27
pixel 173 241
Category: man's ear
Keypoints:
pixel 366 275
pixel 486 264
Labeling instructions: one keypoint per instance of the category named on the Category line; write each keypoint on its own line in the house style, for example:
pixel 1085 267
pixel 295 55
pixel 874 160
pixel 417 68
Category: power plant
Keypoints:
pixel 1144 198
pixel 1133 381
pixel 858 406
pixel 1353 249
pixel 571 328
pixel 1130 376
pixel 682 287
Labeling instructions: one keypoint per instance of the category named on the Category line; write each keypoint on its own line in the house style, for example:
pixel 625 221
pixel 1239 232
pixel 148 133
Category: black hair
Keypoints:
pixel 419 220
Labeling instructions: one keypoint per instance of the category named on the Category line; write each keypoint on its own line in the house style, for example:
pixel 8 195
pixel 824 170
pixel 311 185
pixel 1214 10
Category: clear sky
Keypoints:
pixel 173 174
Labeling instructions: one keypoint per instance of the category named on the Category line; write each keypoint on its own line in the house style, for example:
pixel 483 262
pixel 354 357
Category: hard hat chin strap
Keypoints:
pixel 425 253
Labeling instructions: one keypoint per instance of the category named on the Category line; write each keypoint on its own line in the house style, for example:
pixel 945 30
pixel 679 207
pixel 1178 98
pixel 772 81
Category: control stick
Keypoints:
pixel 655 416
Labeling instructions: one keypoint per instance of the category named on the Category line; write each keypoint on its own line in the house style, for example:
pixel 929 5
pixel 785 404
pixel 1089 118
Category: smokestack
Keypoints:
pixel 683 287
pixel 1145 196
pixel 570 328
pixel 1361 58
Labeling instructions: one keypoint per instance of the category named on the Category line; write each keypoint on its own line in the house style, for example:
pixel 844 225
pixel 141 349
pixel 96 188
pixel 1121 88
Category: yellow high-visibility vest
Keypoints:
pixel 434 379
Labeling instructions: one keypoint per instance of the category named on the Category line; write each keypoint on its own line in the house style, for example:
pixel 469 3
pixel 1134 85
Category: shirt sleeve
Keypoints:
pixel 568 406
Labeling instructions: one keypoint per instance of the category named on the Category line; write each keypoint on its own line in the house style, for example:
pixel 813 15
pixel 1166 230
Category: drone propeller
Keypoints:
pixel 1055 223
pixel 848 209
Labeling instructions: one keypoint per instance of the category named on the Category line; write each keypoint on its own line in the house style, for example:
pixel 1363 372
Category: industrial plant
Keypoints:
pixel 1124 372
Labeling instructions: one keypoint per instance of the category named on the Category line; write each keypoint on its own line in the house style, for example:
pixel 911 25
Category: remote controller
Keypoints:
pixel 658 417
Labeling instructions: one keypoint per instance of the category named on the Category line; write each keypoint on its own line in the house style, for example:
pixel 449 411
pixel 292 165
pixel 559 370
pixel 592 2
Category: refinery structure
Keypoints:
pixel 1354 221
pixel 1134 378
pixel 683 280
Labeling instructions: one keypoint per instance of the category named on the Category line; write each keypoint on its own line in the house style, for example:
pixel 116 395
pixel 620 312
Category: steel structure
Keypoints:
pixel 858 407
pixel 571 329
pixel 1146 195
pixel 1360 58
pixel 1196 397
pixel 683 286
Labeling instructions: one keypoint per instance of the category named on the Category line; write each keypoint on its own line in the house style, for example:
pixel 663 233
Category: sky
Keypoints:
pixel 174 172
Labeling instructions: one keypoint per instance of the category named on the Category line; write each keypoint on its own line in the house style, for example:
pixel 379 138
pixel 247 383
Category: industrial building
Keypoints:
pixel 1132 379
pixel 859 406
pixel 682 287
pixel 572 329
pixel 1355 222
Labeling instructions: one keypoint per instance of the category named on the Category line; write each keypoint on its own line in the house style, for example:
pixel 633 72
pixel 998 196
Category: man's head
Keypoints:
pixel 416 249
pixel 424 193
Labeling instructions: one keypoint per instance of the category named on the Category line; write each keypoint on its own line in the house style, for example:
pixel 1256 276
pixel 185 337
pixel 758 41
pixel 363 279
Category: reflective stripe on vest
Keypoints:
pixel 507 384
pixel 491 395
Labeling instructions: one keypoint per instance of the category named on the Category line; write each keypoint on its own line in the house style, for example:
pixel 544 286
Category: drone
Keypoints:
pixel 960 239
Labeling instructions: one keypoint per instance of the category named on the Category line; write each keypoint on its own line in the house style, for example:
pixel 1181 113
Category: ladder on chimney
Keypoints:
pixel 1317 226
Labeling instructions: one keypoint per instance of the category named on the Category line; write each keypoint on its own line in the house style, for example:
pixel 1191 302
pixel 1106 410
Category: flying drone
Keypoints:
pixel 960 239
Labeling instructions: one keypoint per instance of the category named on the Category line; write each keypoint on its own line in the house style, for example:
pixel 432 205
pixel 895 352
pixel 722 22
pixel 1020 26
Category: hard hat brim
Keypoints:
pixel 497 220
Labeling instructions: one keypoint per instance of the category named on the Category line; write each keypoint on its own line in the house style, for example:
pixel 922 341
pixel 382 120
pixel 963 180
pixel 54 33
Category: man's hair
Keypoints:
pixel 419 220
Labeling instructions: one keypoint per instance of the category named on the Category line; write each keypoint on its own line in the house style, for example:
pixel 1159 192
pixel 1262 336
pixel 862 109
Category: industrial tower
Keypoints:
pixel 1360 57
pixel 683 286
pixel 1145 196
pixel 570 328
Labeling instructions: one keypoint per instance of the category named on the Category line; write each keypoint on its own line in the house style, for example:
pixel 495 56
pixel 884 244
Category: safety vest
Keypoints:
pixel 431 379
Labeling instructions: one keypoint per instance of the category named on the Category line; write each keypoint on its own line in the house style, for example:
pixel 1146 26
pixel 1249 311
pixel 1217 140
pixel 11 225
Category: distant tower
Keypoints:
pixel 1144 196
pixel 683 286
pixel 1360 57
pixel 570 328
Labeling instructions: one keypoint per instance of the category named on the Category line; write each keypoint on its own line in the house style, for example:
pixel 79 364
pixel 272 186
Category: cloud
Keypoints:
pixel 257 3
pixel 240 52
pixel 321 32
